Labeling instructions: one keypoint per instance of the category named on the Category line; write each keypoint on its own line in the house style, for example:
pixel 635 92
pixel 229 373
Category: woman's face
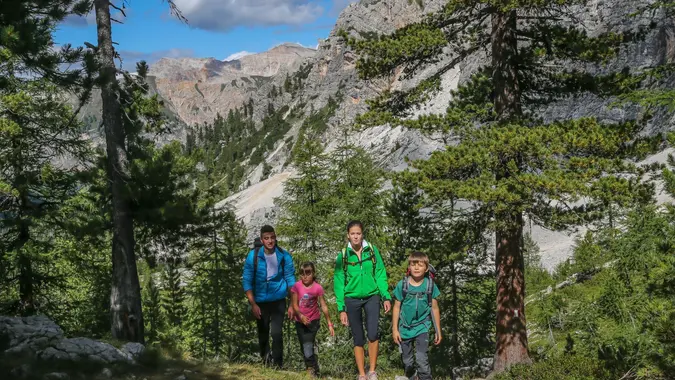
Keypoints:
pixel 355 235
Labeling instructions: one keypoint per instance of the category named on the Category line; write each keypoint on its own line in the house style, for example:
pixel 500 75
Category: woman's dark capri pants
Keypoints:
pixel 371 306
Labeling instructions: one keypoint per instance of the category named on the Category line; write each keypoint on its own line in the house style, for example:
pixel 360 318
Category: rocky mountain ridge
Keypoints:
pixel 200 88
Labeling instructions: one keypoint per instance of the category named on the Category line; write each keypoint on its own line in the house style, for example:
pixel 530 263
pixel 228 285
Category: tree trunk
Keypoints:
pixel 27 305
pixel 125 297
pixel 511 339
pixel 456 359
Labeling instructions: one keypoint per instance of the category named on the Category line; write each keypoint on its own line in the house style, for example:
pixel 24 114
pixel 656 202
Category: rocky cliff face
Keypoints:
pixel 198 89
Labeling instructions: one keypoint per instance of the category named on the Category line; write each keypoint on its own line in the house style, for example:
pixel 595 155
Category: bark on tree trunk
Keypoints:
pixel 511 339
pixel 456 359
pixel 27 306
pixel 125 297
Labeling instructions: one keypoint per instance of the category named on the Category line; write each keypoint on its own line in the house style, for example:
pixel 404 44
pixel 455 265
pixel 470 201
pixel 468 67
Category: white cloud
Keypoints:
pixel 222 15
pixel 237 55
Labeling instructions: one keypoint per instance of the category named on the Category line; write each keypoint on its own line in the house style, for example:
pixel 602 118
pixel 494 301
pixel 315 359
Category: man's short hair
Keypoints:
pixel 266 228
pixel 418 257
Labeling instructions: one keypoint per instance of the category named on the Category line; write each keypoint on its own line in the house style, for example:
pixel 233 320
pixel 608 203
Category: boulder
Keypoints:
pixel 479 370
pixel 28 335
pixel 133 350
pixel 82 349
pixel 39 337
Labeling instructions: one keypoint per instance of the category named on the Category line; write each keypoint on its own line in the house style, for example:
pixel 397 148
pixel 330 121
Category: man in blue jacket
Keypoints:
pixel 268 278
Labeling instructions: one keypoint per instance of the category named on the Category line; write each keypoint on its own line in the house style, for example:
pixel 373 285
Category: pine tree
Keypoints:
pixel 36 129
pixel 514 165
pixel 26 28
pixel 215 313
pixel 306 202
pixel 125 304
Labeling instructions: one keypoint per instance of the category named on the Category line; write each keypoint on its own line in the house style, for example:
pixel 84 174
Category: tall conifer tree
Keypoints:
pixel 506 161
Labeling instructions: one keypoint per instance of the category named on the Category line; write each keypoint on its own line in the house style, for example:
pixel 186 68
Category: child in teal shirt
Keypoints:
pixel 415 310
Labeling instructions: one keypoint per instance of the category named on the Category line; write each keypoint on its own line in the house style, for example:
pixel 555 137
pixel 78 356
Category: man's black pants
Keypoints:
pixel 271 318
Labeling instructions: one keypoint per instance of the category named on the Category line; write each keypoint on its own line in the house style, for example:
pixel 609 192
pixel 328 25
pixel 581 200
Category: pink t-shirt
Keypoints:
pixel 308 299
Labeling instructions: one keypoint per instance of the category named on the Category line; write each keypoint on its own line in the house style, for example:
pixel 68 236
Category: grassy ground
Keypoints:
pixel 174 371
pixel 212 372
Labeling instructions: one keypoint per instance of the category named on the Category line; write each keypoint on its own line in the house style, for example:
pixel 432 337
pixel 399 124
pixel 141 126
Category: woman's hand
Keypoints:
pixel 387 306
pixel 304 319
pixel 330 328
pixel 343 318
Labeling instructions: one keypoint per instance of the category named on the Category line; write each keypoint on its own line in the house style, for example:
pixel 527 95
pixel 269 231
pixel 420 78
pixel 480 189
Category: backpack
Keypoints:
pixel 345 262
pixel 257 246
pixel 430 275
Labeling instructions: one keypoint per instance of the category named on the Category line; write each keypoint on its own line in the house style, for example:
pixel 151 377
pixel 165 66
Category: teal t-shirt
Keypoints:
pixel 414 308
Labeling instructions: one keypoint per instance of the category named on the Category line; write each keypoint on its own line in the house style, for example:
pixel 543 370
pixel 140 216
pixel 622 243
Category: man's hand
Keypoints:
pixel 330 328
pixel 438 338
pixel 256 311
pixel 387 306
pixel 290 312
pixel 397 336
pixel 343 318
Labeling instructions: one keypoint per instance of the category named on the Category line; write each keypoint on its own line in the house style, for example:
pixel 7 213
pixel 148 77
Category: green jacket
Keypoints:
pixel 361 282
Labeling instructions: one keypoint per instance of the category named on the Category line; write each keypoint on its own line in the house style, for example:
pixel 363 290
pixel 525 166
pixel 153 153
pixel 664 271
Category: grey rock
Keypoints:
pixel 133 350
pixel 28 335
pixel 181 377
pixel 40 337
pixel 480 370
pixel 76 349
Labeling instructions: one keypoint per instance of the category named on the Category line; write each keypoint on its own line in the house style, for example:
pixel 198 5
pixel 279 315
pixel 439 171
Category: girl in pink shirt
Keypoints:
pixel 306 295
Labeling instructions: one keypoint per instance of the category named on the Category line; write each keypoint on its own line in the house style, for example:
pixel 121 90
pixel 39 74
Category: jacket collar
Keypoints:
pixel 364 244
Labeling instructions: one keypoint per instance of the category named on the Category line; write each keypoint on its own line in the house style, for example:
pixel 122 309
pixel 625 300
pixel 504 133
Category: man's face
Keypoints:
pixel 269 240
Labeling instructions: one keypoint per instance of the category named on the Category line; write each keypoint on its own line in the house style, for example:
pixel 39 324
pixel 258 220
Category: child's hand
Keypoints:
pixel 330 328
pixel 438 338
pixel 304 319
pixel 397 336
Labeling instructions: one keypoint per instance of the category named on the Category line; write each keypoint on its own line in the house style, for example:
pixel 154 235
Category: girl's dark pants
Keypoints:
pixel 306 336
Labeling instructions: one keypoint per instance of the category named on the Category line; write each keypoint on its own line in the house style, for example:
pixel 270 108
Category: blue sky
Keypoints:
pixel 216 28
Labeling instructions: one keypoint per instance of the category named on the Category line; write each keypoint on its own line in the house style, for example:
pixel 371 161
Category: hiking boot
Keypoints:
pixel 362 377
pixel 372 375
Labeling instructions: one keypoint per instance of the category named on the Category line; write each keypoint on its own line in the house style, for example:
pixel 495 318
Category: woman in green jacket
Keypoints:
pixel 360 282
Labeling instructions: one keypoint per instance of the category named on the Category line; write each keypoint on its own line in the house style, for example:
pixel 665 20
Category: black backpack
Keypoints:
pixel 257 246
pixel 345 262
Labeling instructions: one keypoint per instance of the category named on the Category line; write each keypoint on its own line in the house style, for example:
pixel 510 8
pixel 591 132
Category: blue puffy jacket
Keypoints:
pixel 275 288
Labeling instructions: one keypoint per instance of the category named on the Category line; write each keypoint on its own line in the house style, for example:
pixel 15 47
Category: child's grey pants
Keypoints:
pixel 421 343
